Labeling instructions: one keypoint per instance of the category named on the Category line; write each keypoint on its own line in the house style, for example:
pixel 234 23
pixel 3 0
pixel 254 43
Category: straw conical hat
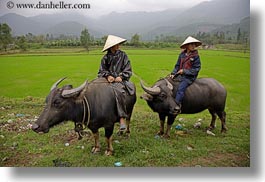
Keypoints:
pixel 191 40
pixel 112 41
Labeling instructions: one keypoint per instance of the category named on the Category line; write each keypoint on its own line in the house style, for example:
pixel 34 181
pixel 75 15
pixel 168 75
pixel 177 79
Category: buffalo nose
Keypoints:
pixel 34 126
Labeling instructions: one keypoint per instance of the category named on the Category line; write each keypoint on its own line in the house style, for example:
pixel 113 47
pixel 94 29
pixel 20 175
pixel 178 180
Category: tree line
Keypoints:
pixel 29 41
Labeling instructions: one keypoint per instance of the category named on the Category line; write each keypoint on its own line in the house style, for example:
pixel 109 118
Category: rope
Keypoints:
pixel 85 103
pixel 88 110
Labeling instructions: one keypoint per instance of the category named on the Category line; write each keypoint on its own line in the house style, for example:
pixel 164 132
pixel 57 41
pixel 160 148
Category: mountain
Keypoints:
pixel 70 28
pixel 66 28
pixel 232 29
pixel 182 31
pixel 64 17
pixel 67 24
pixel 21 25
pixel 216 11
pixel 205 17
pixel 128 23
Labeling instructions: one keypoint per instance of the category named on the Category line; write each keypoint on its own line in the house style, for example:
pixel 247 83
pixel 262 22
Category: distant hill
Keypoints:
pixel 217 12
pixel 70 28
pixel 66 24
pixel 183 31
pixel 22 25
pixel 64 17
pixel 232 30
pixel 128 23
pixel 205 17
pixel 66 28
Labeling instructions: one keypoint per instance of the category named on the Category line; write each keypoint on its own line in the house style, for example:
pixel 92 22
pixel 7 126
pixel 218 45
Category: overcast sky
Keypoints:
pixel 99 7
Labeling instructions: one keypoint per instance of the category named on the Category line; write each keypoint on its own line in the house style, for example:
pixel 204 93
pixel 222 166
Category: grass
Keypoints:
pixel 25 80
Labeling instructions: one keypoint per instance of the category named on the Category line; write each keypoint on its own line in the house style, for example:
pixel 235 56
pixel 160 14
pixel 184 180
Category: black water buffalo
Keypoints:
pixel 91 105
pixel 204 93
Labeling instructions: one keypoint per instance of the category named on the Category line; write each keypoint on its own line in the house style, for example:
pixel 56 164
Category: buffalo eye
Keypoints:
pixel 163 95
pixel 56 103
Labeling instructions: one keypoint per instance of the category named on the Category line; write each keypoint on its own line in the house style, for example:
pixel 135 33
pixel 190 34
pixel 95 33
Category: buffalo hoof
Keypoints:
pixel 108 152
pixel 210 128
pixel 166 136
pixel 160 133
pixel 127 135
pixel 224 130
pixel 120 133
pixel 95 150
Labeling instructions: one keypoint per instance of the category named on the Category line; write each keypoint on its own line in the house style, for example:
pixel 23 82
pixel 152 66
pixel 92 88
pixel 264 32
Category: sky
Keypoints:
pixel 97 7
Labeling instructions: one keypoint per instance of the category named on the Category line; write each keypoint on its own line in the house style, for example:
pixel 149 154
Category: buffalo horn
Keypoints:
pixel 57 83
pixel 151 90
pixel 169 85
pixel 74 91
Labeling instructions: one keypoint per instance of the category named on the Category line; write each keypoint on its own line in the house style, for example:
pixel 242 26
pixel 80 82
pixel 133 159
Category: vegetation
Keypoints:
pixel 26 79
pixel 85 38
pixel 5 36
pixel 30 41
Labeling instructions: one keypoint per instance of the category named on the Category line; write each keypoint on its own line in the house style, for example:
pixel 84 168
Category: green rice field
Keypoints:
pixel 25 81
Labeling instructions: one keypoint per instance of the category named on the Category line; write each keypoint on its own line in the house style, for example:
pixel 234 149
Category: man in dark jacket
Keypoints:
pixel 116 68
pixel 186 68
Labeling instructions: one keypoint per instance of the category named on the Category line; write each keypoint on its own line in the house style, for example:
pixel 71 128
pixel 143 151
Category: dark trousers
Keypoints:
pixel 181 90
pixel 119 91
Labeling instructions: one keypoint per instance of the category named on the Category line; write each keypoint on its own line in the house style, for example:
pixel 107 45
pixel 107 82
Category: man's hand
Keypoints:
pixel 118 79
pixel 111 79
pixel 180 72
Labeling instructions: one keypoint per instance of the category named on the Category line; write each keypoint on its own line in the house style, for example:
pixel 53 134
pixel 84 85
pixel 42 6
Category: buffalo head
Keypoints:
pixel 160 97
pixel 60 106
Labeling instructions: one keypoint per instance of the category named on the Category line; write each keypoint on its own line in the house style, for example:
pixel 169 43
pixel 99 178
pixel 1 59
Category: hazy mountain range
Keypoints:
pixel 208 16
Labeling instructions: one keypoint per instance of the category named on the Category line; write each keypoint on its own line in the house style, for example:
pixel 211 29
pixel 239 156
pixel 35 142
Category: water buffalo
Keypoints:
pixel 204 93
pixel 91 105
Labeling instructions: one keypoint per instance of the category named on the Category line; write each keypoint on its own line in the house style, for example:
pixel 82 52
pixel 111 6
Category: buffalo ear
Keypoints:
pixel 146 97
pixel 75 91
pixel 67 87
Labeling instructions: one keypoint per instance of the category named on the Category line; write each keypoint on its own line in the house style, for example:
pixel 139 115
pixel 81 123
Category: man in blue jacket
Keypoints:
pixel 187 68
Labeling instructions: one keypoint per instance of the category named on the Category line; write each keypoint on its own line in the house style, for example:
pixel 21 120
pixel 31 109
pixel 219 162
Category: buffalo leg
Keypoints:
pixel 212 125
pixel 162 118
pixel 128 124
pixel 170 120
pixel 108 135
pixel 96 148
pixel 222 116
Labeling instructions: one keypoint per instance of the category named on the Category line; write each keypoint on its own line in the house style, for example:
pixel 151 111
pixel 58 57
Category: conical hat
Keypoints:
pixel 112 41
pixel 191 40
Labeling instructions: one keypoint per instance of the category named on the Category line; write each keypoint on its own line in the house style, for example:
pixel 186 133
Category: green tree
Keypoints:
pixel 5 36
pixel 238 35
pixel 135 40
pixel 103 39
pixel 85 38
pixel 21 43
pixel 39 39
pixel 29 37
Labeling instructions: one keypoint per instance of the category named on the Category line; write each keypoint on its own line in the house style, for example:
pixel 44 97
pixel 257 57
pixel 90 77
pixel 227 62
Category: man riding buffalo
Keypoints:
pixel 96 104
pixel 116 68
pixel 187 68
pixel 182 92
